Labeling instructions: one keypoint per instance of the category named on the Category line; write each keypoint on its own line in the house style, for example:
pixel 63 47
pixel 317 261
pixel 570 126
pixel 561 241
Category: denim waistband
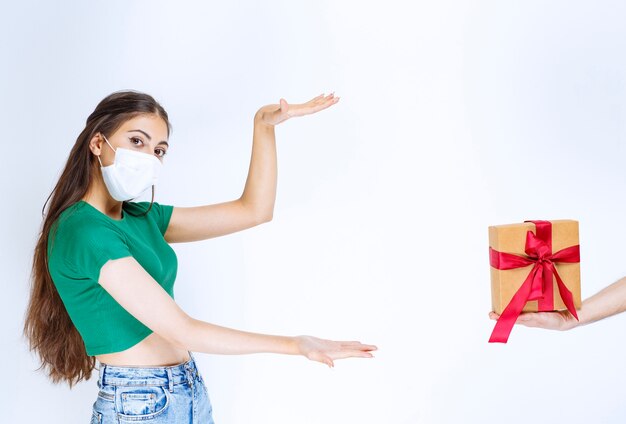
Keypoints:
pixel 111 375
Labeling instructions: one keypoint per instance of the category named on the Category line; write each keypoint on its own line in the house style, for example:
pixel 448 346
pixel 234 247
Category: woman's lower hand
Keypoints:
pixel 275 114
pixel 325 351
pixel 557 320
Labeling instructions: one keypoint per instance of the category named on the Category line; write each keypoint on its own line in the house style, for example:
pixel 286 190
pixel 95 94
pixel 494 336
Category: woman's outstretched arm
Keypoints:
pixel 607 302
pixel 201 336
pixel 256 203
pixel 137 292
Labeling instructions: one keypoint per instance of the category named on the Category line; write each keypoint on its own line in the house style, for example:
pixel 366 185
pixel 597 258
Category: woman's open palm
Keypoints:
pixel 325 351
pixel 273 116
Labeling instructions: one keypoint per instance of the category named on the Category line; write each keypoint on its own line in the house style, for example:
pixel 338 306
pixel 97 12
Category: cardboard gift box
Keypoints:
pixel 524 257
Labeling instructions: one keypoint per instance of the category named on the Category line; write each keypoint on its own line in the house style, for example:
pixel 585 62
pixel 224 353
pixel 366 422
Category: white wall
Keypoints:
pixel 453 116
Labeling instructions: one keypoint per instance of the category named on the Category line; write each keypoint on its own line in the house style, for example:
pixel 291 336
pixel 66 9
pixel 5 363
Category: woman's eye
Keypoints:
pixel 138 141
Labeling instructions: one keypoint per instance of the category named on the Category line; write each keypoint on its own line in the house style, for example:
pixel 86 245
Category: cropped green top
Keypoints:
pixel 81 241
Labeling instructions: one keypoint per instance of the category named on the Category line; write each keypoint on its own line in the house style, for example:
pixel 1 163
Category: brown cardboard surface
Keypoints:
pixel 511 238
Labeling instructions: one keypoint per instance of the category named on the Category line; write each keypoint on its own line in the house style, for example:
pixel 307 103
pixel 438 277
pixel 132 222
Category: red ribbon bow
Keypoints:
pixel 539 283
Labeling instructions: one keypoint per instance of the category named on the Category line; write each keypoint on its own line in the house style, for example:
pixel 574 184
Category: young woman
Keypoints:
pixel 103 271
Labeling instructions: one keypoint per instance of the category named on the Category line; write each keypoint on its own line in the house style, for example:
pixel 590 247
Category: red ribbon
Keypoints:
pixel 539 283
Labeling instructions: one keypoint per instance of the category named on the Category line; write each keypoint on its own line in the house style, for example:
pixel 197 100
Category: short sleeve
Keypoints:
pixel 159 213
pixel 84 246
pixel 163 213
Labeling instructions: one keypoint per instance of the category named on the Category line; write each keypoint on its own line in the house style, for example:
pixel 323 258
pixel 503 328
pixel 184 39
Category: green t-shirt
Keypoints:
pixel 84 240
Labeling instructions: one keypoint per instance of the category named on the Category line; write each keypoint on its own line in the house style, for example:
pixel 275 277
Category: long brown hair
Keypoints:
pixel 47 325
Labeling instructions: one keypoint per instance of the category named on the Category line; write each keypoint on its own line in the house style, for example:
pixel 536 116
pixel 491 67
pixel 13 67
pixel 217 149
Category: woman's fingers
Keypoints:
pixel 328 357
pixel 330 99
pixel 321 97
pixel 359 344
pixel 316 104
pixel 351 349
pixel 325 351
pixel 342 354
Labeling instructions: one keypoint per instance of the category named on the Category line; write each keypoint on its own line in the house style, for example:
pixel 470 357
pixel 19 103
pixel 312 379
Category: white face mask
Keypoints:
pixel 131 173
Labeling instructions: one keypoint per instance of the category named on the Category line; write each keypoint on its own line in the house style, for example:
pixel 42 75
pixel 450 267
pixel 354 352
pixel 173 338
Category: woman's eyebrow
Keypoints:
pixel 150 138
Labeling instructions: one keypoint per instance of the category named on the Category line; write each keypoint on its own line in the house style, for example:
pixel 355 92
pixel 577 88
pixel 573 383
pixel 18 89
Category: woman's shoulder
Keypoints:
pixel 74 213
pixel 77 228
pixel 80 218
pixel 77 212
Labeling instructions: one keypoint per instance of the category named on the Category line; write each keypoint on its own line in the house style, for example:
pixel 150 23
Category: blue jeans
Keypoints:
pixel 170 394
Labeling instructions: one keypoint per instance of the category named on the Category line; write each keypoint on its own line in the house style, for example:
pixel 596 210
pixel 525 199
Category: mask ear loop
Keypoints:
pixel 105 139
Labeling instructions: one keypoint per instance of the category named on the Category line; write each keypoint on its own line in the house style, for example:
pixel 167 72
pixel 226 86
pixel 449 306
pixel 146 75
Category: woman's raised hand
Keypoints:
pixel 275 114
pixel 325 351
pixel 558 320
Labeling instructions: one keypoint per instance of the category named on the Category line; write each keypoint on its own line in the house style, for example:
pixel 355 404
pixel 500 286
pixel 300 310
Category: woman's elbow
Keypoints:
pixel 182 335
pixel 263 218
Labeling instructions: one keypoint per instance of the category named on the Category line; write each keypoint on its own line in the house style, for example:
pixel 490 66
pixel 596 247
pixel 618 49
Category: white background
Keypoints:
pixel 453 116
